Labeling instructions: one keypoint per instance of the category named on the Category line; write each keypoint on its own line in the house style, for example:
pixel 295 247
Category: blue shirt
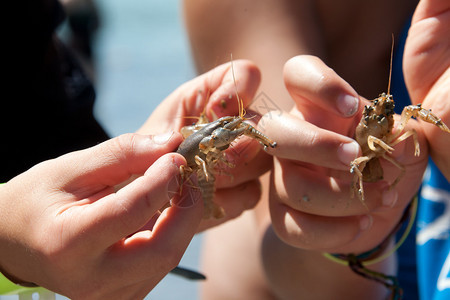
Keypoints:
pixel 433 243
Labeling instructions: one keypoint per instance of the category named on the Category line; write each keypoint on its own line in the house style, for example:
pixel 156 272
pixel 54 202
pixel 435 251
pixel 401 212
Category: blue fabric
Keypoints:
pixel 433 243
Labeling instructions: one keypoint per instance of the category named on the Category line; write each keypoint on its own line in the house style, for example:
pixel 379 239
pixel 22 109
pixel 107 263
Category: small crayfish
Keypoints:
pixel 203 149
pixel 375 136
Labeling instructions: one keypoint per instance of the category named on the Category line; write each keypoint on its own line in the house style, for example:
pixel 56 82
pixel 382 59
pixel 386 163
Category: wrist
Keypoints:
pixel 8 287
pixel 6 279
pixel 358 262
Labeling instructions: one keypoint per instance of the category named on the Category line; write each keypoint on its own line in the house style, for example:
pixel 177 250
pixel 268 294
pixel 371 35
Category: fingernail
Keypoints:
pixel 390 197
pixel 190 195
pixel 365 222
pixel 163 138
pixel 347 104
pixel 347 152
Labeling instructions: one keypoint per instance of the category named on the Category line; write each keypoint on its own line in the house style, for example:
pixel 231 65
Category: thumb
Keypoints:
pixel 126 211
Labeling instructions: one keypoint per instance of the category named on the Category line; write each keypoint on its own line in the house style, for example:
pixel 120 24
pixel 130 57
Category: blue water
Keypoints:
pixel 142 55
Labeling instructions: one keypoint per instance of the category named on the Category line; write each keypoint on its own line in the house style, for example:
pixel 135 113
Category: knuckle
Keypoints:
pixel 120 147
pixel 125 142
pixel 170 258
pixel 252 201
pixel 173 259
pixel 252 192
pixel 328 86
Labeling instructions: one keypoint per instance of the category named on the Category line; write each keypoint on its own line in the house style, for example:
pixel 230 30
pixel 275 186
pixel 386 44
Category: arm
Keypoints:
pixel 83 216
pixel 66 227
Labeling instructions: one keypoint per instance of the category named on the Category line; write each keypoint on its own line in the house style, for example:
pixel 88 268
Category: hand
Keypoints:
pixel 427 72
pixel 310 201
pixel 215 91
pixel 66 227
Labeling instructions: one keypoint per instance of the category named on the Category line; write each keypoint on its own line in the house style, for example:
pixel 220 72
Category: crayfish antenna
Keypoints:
pixel 390 66
pixel 242 111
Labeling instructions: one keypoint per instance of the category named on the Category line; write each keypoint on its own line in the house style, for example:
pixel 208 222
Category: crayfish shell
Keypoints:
pixel 210 209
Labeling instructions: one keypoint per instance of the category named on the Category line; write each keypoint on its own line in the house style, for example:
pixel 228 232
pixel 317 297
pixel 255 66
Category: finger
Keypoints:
pixel 246 160
pixel 88 171
pixel 308 231
pixel 312 191
pixel 430 8
pixel 318 91
pixel 309 79
pixel 157 252
pixel 122 213
pixel 222 85
pixel 212 91
pixel 147 256
pixel 239 198
pixel 234 201
pixel 239 83
pixel 353 234
pixel 426 54
pixel 302 141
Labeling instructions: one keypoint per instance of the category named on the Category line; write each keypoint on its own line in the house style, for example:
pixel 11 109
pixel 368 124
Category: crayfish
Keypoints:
pixel 203 149
pixel 375 135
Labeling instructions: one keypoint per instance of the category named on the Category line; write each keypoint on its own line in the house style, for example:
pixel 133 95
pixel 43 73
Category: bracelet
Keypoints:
pixel 370 257
pixel 358 263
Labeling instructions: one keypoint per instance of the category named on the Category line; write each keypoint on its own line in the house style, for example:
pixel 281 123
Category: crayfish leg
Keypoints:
pixel 185 173
pixel 183 176
pixel 357 167
pixel 371 141
pixel 406 135
pixel 416 111
pixel 202 163
pixel 427 116
pixel 408 112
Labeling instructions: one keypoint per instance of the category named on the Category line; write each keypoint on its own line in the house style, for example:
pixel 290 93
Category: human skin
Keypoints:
pixel 215 93
pixel 427 72
pixel 273 258
pixel 66 226
pixel 329 220
pixel 88 225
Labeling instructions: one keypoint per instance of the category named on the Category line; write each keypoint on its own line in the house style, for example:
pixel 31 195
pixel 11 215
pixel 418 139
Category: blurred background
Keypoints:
pixel 141 54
